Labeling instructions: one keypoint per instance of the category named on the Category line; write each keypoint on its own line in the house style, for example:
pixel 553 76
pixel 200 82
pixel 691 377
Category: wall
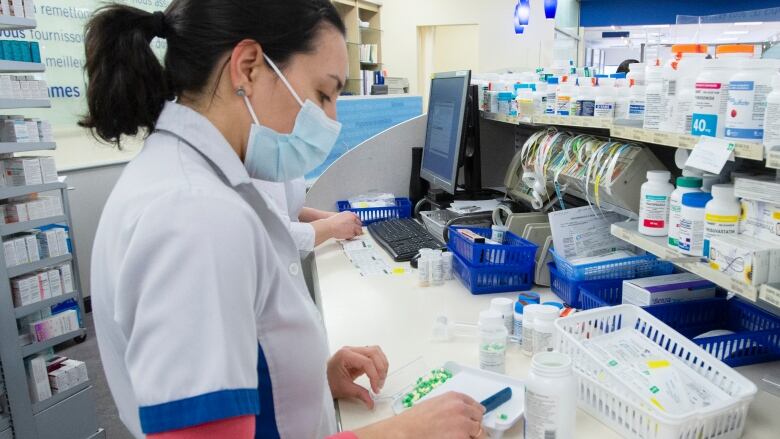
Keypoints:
pixel 499 47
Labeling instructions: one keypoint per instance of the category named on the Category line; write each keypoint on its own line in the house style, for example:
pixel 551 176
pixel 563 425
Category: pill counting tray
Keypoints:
pixel 479 385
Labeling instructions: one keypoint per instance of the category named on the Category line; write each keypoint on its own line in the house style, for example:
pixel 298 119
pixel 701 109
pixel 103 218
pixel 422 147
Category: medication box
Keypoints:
pixel 54 326
pixel 761 220
pixel 745 258
pixel 765 189
pixel 38 379
pixel 23 172
pixel 666 289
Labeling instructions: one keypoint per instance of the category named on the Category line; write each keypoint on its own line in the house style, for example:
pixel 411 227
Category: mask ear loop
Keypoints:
pixel 284 80
pixel 242 94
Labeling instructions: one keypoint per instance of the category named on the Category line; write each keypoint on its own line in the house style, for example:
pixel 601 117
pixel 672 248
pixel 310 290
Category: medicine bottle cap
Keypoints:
pixel 696 199
pixel 552 80
pixel 725 191
pixel 659 176
pixel 501 304
pixel 530 297
pixel 490 317
pixel 555 304
pixel 519 305
pixel 618 76
pixel 689 48
pixel 547 312
pixel 690 182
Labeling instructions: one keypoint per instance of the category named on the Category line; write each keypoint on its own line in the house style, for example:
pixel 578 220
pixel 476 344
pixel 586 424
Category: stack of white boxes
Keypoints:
pixel 23 87
pixel 52 242
pixel 34 288
pixel 54 326
pixel 64 374
pixel 27 171
pixel 41 244
pixel 31 210
pixel 18 129
pixel 18 8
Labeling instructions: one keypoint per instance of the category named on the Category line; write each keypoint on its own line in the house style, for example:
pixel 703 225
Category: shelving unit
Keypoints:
pixel 69 414
pixel 352 12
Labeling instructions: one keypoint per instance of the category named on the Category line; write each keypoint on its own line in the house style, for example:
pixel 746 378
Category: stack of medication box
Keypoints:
pixel 18 129
pixel 18 8
pixel 43 285
pixel 40 244
pixel 22 87
pixel 64 374
pixel 23 51
pixel 31 210
pixel 27 171
pixel 54 326
pixel 671 288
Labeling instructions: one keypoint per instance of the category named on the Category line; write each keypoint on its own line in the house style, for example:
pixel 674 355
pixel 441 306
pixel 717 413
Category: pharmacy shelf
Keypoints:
pixel 24 311
pixel 513 120
pixel 32 267
pixel 773 160
pixel 576 121
pixel 20 191
pixel 6 104
pixel 59 397
pixel 10 147
pixel 627 231
pixel 746 150
pixel 8 22
pixel 21 67
pixel 42 346
pixel 12 229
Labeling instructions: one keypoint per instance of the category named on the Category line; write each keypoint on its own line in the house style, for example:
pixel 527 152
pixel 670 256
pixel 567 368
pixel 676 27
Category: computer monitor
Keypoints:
pixel 444 136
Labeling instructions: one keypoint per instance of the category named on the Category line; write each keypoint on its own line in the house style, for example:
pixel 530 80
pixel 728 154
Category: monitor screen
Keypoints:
pixel 446 109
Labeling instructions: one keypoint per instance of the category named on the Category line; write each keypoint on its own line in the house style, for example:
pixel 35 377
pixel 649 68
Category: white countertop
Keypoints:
pixel 396 314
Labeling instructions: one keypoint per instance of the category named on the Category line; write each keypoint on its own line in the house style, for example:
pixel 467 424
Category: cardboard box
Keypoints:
pixel 38 379
pixel 60 380
pixel 55 282
pixel 16 213
pixel 25 291
pixel 667 289
pixel 764 189
pixel 760 220
pixel 23 172
pixel 20 245
pixel 67 278
pixel 78 371
pixel 9 251
pixel 48 169
pixel 43 285
pixel 32 248
pixel 745 258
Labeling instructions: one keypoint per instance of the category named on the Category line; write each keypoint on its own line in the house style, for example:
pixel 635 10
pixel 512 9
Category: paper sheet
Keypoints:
pixel 711 154
pixel 579 233
pixel 462 207
pixel 366 258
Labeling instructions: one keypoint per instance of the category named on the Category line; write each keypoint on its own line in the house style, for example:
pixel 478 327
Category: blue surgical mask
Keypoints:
pixel 272 156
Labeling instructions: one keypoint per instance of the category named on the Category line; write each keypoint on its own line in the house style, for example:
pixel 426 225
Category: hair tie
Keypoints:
pixel 159 27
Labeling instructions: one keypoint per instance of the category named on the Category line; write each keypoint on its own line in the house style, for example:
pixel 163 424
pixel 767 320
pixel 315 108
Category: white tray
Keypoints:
pixel 480 385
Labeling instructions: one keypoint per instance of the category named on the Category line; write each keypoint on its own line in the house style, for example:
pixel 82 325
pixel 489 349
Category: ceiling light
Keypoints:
pixel 736 32
pixel 749 23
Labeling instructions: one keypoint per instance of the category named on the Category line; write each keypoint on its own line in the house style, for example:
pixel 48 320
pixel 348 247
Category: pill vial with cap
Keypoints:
pixel 552 96
pixel 505 307
pixel 691 240
pixel 446 265
pixel 424 268
pixel 721 215
pixel 517 327
pixel 654 103
pixel 492 341
pixel 550 407
pixel 437 273
pixel 636 75
pixel 654 204
pixel 529 316
pixel 636 103
pixel 772 117
pixel 748 91
pixel 544 329
pixel 712 98
pixel 708 180
pixel 685 185
pixel 672 72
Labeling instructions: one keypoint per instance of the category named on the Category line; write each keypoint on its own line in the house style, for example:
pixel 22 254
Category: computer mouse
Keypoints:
pixel 414 260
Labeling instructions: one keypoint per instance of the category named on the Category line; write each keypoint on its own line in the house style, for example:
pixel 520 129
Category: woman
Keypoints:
pixel 204 323
pixel 309 227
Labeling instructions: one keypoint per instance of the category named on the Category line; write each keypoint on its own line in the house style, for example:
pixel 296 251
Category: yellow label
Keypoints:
pixel 658 364
pixel 398 271
pixel 657 404
pixel 714 265
pixel 721 218
pixel 776 215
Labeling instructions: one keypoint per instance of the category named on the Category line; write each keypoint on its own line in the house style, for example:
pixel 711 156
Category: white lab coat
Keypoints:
pixel 289 198
pixel 201 310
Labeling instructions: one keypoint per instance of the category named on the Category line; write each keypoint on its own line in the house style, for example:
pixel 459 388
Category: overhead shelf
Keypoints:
pixel 8 22
pixel 14 228
pixel 21 67
pixel 20 191
pixel 43 345
pixel 10 147
pixel 8 104
pixel 24 311
pixel 59 397
pixel 627 231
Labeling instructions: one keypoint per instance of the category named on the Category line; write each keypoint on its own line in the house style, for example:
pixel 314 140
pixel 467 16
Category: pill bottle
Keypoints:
pixel 712 98
pixel 530 296
pixel 540 99
pixel 682 113
pixel 552 96
pixel 564 99
pixel 748 91
pixel 529 314
pixel 620 92
pixel 550 408
pixel 636 103
pixel 737 51
pixel 446 265
pixel 721 215
pixel 654 104
pixel 708 180
pixel 424 268
pixel 517 327
pixel 691 240
pixel 772 117
pixel 492 341
pixel 436 267
pixel 636 75
pixel 505 307
pixel 504 103
pixel 682 54
pixel 586 100
pixel 604 104
pixel 525 101
pixel 654 204
pixel 544 330
pixel 685 185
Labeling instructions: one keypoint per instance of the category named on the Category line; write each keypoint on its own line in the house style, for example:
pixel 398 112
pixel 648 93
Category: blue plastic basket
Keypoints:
pixel 369 215
pixel 493 279
pixel 626 268
pixel 570 291
pixel 600 293
pixel 516 252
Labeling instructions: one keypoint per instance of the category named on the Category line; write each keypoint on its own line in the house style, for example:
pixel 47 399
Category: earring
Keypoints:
pixel 240 92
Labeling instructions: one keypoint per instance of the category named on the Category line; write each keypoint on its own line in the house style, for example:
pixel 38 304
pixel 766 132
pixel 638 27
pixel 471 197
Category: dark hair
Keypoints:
pixel 623 67
pixel 127 85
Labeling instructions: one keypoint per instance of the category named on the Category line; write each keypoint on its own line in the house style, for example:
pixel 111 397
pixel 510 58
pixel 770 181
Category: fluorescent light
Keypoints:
pixel 656 26
pixel 736 32
pixel 728 39
pixel 749 23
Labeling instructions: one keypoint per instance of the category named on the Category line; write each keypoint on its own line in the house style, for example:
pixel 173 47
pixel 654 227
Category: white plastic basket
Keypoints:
pixel 618 406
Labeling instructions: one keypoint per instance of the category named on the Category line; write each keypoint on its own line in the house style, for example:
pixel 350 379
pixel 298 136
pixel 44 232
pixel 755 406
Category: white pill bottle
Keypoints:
pixel 685 185
pixel 721 215
pixel 654 204
pixel 772 117
pixel 492 341
pixel 550 405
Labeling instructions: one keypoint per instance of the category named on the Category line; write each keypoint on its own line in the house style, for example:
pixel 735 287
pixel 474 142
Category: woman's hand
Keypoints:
pixel 345 225
pixel 348 364
pixel 449 416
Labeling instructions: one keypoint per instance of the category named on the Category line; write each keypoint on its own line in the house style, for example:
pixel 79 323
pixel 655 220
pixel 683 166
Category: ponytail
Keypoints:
pixel 127 86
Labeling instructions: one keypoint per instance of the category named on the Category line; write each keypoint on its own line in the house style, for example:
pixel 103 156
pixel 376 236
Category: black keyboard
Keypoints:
pixel 403 238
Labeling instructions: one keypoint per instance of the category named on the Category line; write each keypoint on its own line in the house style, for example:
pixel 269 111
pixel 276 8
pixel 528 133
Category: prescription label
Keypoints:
pixel 710 101
pixel 746 108
pixel 540 415
pixel 654 211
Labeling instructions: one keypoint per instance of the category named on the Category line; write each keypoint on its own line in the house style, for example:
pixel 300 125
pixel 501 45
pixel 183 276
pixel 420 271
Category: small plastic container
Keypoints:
pixel 721 215
pixel 772 117
pixel 564 99
pixel 685 185
pixel 692 223
pixel 505 307
pixel 551 96
pixel 672 73
pixel 636 75
pixel 711 99
pixel 748 91
pixel 402 209
pixel 550 408
pixel 636 103
pixel 446 265
pixel 604 106
pixel 544 331
pixel 529 317
pixel 654 99
pixel 517 324
pixel 654 204
pixel 492 342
